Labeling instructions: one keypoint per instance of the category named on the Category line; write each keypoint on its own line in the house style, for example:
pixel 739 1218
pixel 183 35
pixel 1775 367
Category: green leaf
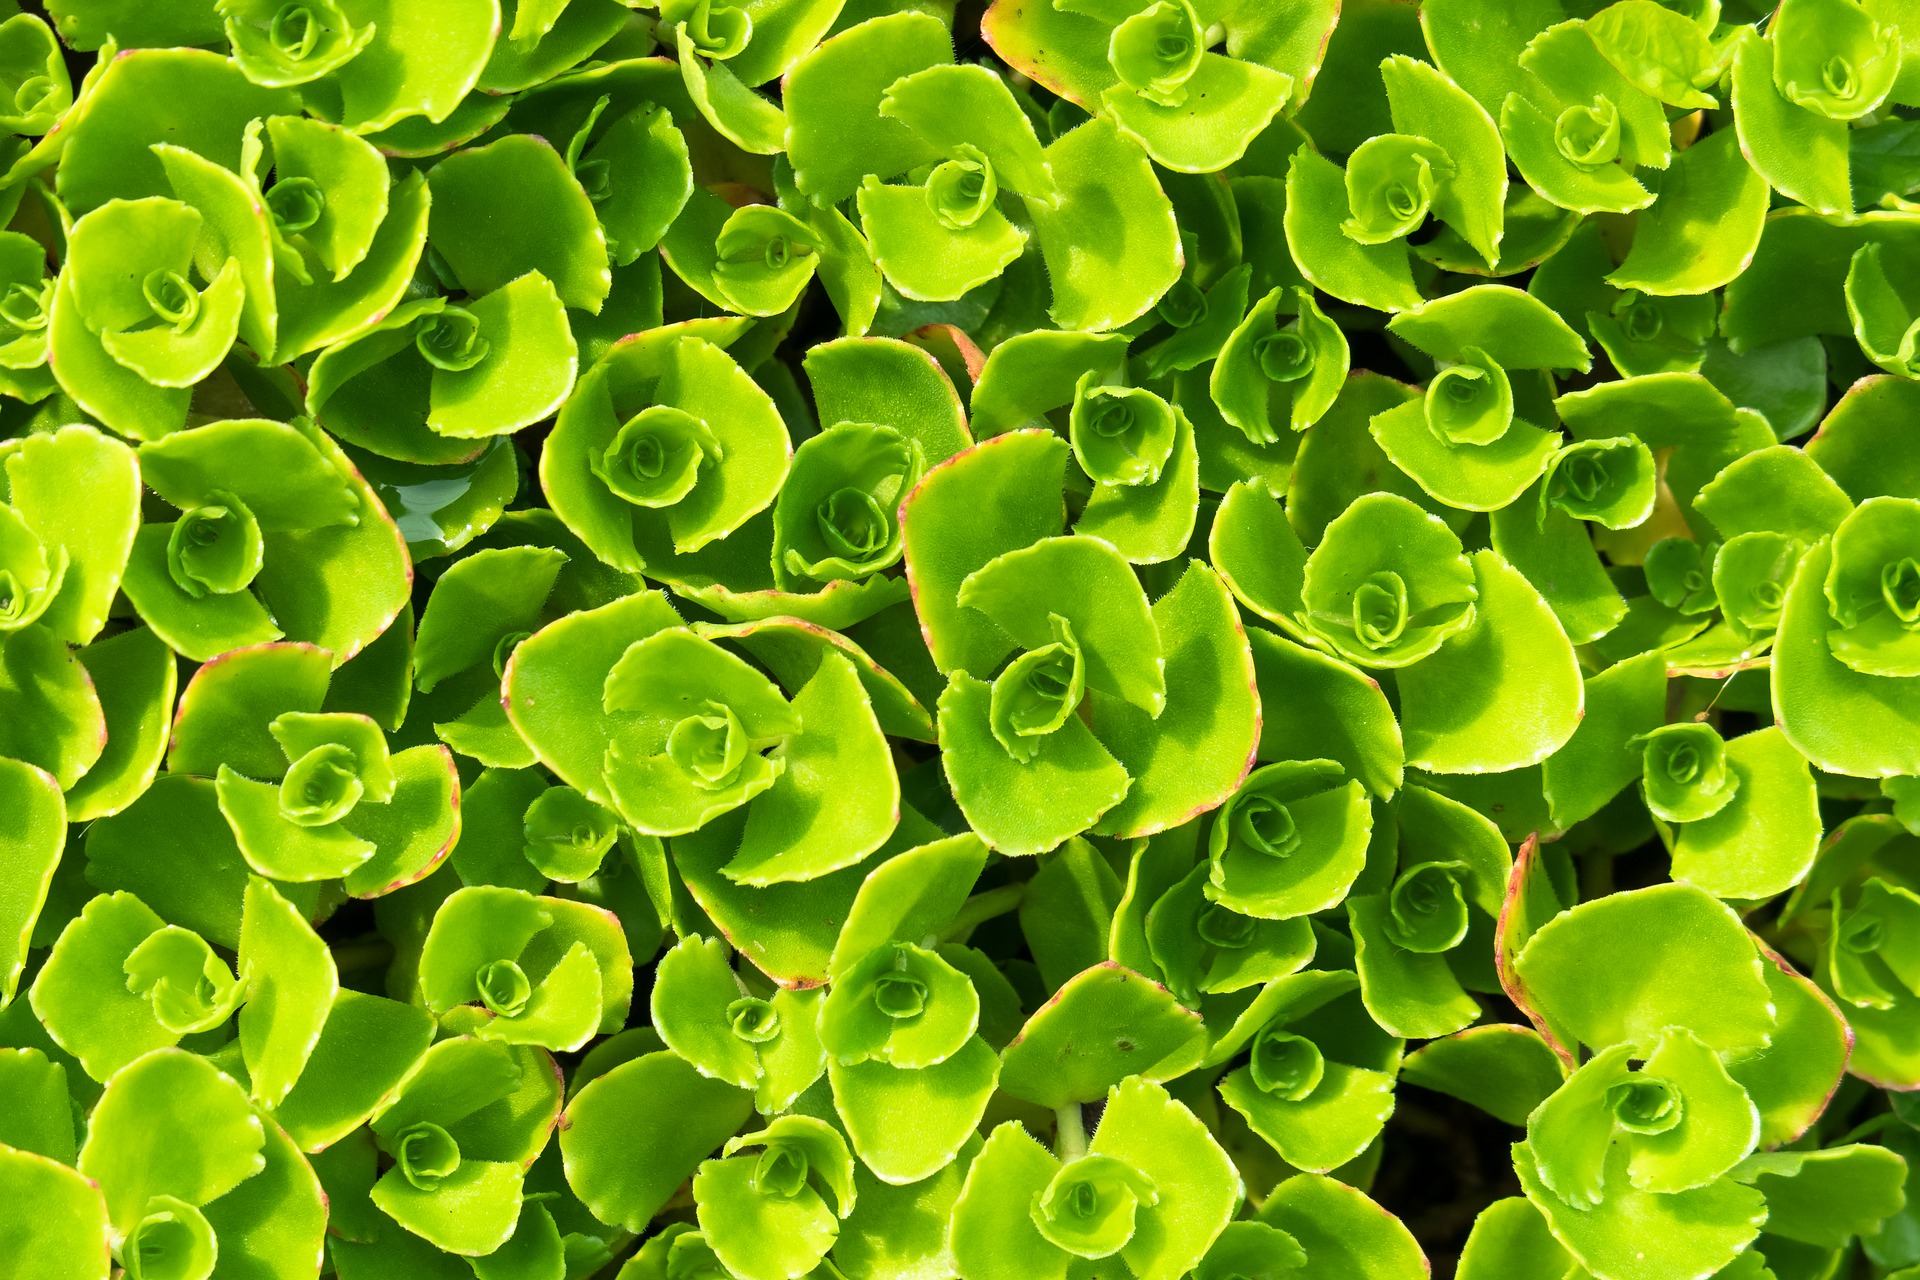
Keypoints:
pixel 416 64
pixel 77 490
pixel 1823 1197
pixel 1624 702
pixel 1711 983
pixel 1634 1234
pixel 1108 237
pixel 1802 154
pixel 885 380
pixel 1375 276
pixel 1510 678
pixel 906 1124
pixel 993 1232
pixel 39 1114
pixel 190 98
pixel 68 1222
pixel 948 536
pixel 1515 329
pixel 1331 1120
pixel 1772 819
pixel 1504 1070
pixel 82 995
pixel 33 844
pixel 1710 197
pixel 1664 53
pixel 291 986
pixel 512 207
pixel 656 1103
pixel 1196 752
pixel 1794 1076
pixel 171 1125
pixel 835 517
pixel 1031 373
pixel 1342 1231
pixel 1105 1024
pixel 1426 104
pixel 1511 1236
pixel 1328 707
pixel 367 1046
pixel 836 134
pixel 50 715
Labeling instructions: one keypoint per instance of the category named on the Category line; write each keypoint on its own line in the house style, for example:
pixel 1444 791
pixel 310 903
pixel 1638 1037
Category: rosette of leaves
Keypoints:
pixel 436 373
pixel 334 798
pixel 1388 584
pixel 1153 69
pixel 1868 965
pixel 324 240
pixel 899 1025
pixel 190 1172
pixel 521 969
pixel 160 982
pixel 755 260
pixel 768 1042
pixel 703 720
pixel 1102 221
pixel 1317 1107
pixel 1844 655
pixel 1415 969
pixel 481 608
pixel 1579 124
pixel 38 88
pixel 1152 1187
pixel 837 516
pixel 1275 371
pixel 282 45
pixel 1348 230
pixel 774 1212
pixel 1603 482
pixel 1463 442
pixel 665 448
pixel 265 513
pixel 1201 947
pixel 1610 1118
pixel 130 329
pixel 1290 843
pixel 1615 1140
pixel 457 1138
pixel 631 160
pixel 1821 65
pixel 1615 1150
pixel 724 49
pixel 1139 452
pixel 245 724
pixel 26 301
pixel 1020 735
pixel 937 238
pixel 677 733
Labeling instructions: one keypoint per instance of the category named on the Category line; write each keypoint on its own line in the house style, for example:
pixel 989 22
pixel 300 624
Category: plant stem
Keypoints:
pixel 1069 1132
pixel 982 907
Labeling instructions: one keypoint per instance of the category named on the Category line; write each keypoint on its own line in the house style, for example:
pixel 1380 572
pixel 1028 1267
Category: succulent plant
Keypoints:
pixel 777 639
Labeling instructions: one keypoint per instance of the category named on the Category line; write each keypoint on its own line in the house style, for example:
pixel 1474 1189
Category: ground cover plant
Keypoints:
pixel 889 640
